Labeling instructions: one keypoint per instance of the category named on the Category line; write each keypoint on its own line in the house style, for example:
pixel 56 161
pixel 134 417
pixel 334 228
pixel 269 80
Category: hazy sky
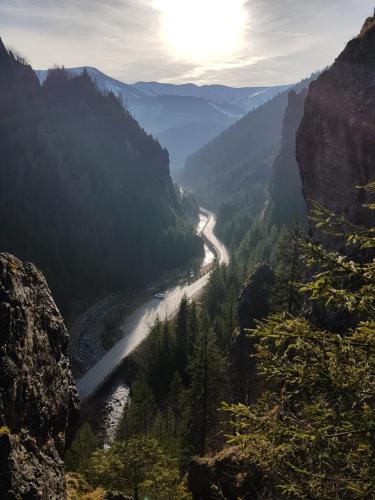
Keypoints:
pixel 234 42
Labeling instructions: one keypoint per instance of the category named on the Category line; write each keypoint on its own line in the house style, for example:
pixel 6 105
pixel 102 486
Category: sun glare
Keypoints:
pixel 202 30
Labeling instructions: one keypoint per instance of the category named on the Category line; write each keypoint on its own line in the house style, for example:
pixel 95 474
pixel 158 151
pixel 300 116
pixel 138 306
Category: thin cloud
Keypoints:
pixel 285 40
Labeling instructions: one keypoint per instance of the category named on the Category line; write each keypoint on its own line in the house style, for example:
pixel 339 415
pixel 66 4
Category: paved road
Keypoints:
pixel 137 325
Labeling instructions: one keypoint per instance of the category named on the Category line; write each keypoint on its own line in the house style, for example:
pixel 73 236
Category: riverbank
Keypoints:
pixel 109 403
pixel 138 324
pixel 100 326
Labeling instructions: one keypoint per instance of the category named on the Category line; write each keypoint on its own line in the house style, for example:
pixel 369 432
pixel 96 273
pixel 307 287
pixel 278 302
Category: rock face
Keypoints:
pixel 37 394
pixel 287 201
pixel 336 139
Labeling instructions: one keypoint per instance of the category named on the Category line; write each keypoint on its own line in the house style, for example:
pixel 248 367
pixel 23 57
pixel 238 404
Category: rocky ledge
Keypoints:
pixel 37 392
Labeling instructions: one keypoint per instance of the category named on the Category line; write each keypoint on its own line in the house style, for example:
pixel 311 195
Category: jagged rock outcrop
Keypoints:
pixel 37 393
pixel 253 305
pixel 336 139
pixel 286 198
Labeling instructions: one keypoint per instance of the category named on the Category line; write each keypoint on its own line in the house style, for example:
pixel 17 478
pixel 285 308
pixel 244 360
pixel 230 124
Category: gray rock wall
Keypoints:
pixel 37 393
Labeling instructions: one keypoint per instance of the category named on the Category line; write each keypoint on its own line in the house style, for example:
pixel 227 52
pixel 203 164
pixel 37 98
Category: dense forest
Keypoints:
pixel 85 193
pixel 306 374
pixel 262 386
pixel 246 174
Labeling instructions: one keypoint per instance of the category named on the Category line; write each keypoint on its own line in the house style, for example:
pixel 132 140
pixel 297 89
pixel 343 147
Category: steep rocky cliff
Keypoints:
pixel 286 198
pixel 37 394
pixel 336 139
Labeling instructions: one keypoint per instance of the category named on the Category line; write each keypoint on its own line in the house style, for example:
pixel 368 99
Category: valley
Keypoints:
pixel 136 327
pixel 187 268
pixel 182 117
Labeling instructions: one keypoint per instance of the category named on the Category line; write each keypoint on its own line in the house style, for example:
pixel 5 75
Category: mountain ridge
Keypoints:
pixel 165 111
pixel 88 189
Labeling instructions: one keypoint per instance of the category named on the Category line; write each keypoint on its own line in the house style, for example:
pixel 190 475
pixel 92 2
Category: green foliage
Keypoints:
pixel 79 489
pixel 208 372
pixel 84 444
pixel 138 467
pixel 182 337
pixel 140 415
pixel 183 379
pixel 311 432
pixel 288 268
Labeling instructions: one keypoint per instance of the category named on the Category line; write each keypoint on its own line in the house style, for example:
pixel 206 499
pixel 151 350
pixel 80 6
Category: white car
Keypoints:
pixel 159 296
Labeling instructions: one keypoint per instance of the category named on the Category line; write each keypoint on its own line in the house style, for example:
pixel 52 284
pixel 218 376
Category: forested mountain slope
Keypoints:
pixel 182 117
pixel 248 165
pixel 245 150
pixel 85 193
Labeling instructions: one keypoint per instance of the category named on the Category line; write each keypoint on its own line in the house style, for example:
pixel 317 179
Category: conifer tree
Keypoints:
pixel 193 328
pixel 181 332
pixel 311 433
pixel 140 414
pixel 138 467
pixel 207 370
pixel 177 404
pixel 288 267
pixel 82 447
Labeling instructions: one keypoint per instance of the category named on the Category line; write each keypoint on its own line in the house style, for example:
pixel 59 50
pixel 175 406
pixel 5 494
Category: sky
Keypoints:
pixel 232 42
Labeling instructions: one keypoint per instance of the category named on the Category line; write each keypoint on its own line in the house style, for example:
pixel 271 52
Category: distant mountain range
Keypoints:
pixel 182 117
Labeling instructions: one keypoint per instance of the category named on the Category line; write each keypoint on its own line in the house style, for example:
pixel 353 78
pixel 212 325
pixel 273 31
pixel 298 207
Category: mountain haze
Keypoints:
pixel 231 175
pixel 182 117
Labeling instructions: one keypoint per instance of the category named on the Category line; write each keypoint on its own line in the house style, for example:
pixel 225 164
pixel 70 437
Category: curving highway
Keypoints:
pixel 136 327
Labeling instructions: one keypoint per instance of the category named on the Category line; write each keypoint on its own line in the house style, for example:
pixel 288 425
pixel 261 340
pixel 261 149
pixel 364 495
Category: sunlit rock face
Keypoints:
pixel 37 393
pixel 336 139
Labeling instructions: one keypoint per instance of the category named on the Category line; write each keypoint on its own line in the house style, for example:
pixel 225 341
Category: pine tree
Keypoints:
pixel 177 404
pixel 311 433
pixel 138 467
pixel 140 413
pixel 193 328
pixel 84 444
pixel 207 369
pixel 181 332
pixel 288 271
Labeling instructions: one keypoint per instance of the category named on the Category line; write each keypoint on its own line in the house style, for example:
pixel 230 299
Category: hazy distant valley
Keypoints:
pixel 182 117
pixel 187 273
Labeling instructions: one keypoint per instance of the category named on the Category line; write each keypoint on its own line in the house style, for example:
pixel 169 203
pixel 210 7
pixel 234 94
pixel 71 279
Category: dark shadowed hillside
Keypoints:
pixel 249 164
pixel 182 117
pixel 286 201
pixel 85 193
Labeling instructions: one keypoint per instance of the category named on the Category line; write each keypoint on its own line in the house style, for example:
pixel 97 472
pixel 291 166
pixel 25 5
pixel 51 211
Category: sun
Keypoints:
pixel 202 30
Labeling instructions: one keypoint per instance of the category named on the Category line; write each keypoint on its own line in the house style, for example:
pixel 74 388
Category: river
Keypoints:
pixel 107 408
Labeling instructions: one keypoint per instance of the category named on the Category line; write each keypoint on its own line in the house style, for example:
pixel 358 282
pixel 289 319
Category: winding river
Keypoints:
pixel 111 398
